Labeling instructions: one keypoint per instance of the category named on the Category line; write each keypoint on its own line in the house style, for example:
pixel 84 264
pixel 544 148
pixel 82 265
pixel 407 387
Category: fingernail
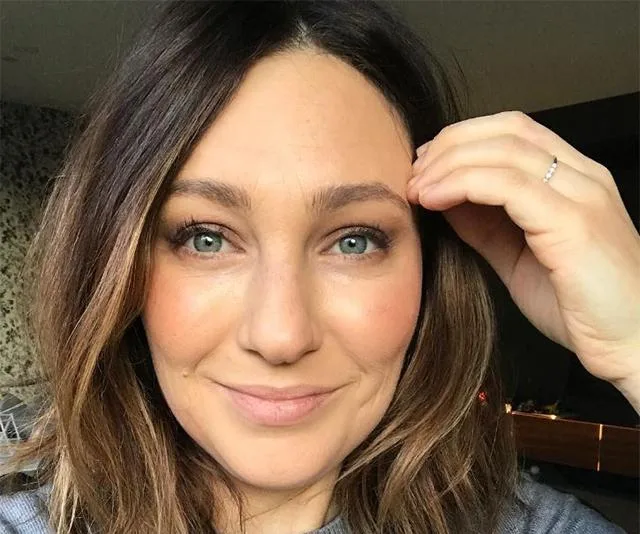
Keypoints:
pixel 430 187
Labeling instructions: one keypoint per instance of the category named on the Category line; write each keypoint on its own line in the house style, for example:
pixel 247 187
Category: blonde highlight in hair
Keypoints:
pixel 114 454
pixel 433 445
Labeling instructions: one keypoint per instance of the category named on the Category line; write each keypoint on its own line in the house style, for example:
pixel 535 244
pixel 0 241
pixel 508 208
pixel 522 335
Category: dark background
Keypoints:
pixel 533 366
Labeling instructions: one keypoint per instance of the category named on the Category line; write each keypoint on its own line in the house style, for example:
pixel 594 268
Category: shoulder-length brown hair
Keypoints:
pixel 439 462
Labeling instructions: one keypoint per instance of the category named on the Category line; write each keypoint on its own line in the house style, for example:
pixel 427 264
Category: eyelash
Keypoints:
pixel 191 228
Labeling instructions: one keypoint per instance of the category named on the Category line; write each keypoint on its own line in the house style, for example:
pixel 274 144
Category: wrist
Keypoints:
pixel 630 388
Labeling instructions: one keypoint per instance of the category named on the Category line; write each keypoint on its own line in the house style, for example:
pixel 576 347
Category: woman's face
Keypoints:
pixel 287 263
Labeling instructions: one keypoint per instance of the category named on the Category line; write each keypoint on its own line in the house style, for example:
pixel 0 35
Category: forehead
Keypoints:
pixel 306 119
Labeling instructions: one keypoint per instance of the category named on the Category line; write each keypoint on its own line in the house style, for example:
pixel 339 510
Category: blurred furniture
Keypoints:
pixel 601 447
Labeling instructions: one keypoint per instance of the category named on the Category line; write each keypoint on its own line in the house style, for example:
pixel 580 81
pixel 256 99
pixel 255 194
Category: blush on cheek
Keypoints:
pixel 397 307
pixel 392 320
pixel 163 313
pixel 376 319
pixel 179 314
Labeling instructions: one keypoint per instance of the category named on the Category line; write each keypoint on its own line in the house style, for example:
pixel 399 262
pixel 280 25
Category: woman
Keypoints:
pixel 257 316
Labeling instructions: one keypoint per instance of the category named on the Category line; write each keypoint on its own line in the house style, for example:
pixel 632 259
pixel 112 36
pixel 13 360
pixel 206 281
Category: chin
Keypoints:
pixel 276 458
pixel 277 462
pixel 282 457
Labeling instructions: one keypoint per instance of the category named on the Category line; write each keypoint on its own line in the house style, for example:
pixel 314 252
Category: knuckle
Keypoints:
pixel 598 194
pixel 512 142
pixel 603 171
pixel 519 120
pixel 449 127
pixel 447 131
pixel 456 155
pixel 460 174
pixel 518 178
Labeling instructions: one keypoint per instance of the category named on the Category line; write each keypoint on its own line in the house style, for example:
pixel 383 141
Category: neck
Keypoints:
pixel 281 511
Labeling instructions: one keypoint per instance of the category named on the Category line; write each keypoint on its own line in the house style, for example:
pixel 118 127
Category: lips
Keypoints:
pixel 269 406
pixel 284 393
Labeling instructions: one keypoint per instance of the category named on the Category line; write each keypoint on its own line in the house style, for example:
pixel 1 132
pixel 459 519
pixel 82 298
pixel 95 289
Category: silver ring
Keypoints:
pixel 551 170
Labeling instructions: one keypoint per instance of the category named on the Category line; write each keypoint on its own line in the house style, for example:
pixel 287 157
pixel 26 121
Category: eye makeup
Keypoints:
pixel 189 228
pixel 178 237
pixel 373 232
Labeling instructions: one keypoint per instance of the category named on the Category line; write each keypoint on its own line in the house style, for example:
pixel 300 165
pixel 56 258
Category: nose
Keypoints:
pixel 278 321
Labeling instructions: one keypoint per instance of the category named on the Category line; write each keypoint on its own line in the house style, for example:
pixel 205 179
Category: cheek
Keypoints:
pixel 183 328
pixel 375 320
pixel 180 316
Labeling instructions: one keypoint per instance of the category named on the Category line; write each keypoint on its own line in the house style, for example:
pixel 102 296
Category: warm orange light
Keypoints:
pixel 599 445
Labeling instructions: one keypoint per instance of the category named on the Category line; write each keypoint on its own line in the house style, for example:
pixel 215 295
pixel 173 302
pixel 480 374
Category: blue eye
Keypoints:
pixel 207 242
pixel 353 244
pixel 362 241
pixel 200 240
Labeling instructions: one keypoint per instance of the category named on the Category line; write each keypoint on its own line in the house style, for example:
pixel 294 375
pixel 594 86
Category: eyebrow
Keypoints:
pixel 325 200
pixel 227 195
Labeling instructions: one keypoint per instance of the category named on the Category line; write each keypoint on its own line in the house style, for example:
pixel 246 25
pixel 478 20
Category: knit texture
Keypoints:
pixel 543 510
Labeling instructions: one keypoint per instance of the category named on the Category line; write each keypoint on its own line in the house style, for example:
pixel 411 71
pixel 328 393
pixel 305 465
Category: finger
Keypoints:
pixel 509 151
pixel 498 239
pixel 531 204
pixel 521 125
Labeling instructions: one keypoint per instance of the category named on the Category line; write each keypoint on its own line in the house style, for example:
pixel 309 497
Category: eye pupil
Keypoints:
pixel 208 242
pixel 353 244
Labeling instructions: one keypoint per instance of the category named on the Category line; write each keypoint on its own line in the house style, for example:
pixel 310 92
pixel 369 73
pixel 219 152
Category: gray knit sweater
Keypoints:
pixel 548 512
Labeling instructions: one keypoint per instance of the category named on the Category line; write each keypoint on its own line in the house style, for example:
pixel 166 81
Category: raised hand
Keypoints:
pixel 565 248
